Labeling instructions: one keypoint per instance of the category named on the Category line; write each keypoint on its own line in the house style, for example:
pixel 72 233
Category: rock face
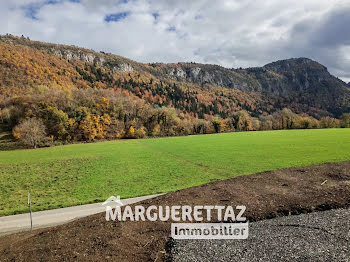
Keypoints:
pixel 117 64
pixel 93 58
pixel 211 75
pixel 124 67
pixel 283 77
pixel 78 55
pixel 298 75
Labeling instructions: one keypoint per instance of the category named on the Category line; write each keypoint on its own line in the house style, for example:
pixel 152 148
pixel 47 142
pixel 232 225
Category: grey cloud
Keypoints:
pixel 325 40
pixel 233 33
pixel 335 30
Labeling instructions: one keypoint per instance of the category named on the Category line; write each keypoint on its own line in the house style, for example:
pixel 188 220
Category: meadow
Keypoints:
pixel 85 173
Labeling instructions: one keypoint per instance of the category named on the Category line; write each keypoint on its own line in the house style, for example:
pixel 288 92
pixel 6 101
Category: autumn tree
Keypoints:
pixel 287 118
pixel 345 120
pixel 30 132
pixel 256 124
pixel 57 122
pixel 329 122
pixel 218 124
pixel 202 126
pixel 243 121
pixel 131 132
pixel 140 132
pixel 265 122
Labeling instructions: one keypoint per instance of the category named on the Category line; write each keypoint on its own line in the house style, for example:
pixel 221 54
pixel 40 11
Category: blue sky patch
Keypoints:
pixel 31 10
pixel 171 29
pixel 116 17
pixel 155 15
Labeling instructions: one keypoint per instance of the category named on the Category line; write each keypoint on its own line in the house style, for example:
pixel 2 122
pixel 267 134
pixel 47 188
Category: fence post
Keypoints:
pixel 30 209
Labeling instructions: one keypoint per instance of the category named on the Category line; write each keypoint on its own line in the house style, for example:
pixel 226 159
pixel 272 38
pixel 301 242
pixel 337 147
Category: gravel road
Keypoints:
pixel 319 236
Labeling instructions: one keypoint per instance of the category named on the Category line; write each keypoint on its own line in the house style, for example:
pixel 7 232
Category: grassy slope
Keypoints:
pixel 85 173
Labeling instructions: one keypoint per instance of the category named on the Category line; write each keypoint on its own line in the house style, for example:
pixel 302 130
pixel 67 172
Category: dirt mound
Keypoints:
pixel 266 195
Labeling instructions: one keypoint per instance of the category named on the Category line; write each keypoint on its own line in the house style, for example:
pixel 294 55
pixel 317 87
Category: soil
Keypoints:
pixel 266 195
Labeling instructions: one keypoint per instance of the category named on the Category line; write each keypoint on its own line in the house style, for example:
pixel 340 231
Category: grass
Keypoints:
pixel 7 142
pixel 85 173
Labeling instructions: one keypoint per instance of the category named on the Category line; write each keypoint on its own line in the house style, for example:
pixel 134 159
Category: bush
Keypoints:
pixel 140 133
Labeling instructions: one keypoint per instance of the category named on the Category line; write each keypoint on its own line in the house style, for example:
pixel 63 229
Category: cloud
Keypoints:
pixel 325 40
pixel 232 33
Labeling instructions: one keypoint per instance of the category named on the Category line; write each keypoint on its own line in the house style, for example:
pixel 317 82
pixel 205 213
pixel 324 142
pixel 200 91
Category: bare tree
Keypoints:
pixel 30 132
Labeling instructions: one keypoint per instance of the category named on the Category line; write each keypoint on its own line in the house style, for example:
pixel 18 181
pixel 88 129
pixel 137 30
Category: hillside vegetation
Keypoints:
pixel 60 94
pixel 84 173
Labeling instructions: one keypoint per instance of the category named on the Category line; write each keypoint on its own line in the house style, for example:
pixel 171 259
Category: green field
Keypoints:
pixel 85 173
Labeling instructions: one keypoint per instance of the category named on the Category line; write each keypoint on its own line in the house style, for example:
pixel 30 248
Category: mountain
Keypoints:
pixel 300 84
pixel 303 84
pixel 52 93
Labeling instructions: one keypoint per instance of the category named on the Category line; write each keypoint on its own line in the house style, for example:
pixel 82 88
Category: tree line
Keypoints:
pixel 48 116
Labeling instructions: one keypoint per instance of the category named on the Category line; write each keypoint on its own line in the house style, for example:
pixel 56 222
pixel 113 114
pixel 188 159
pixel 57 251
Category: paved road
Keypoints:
pixel 321 236
pixel 17 223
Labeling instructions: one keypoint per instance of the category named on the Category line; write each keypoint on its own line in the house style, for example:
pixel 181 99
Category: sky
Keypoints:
pixel 231 33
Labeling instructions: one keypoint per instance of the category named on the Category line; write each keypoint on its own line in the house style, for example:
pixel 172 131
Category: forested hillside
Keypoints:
pixel 53 93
